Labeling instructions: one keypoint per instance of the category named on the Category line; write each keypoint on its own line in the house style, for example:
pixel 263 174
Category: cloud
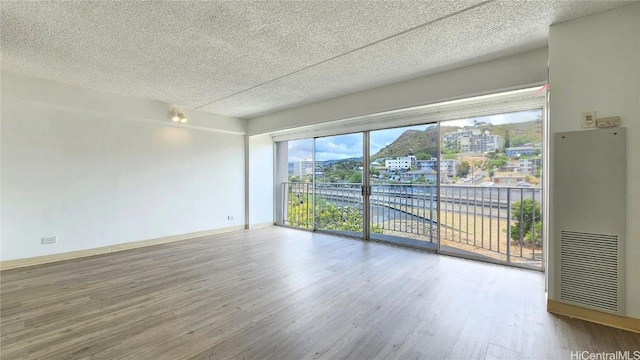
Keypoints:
pixel 339 147
pixel 300 149
pixel 327 148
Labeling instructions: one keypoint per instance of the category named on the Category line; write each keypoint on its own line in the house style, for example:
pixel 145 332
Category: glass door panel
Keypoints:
pixel 403 177
pixel 490 194
pixel 296 190
pixel 338 201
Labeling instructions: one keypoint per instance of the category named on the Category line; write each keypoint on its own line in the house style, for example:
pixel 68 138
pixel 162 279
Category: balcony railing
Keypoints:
pixel 501 223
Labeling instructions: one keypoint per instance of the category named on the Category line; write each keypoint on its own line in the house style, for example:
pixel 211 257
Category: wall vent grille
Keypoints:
pixel 589 265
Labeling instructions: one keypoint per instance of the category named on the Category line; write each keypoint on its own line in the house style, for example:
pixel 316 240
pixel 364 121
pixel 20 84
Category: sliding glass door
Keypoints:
pixel 490 191
pixel 467 187
pixel 338 184
pixel 403 181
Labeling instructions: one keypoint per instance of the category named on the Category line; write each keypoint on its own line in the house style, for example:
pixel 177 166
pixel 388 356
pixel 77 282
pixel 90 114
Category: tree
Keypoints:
pixel 328 216
pixel 430 151
pixel 452 146
pixel 499 161
pixel 475 165
pixel 507 140
pixel 528 222
pixel 421 179
pixel 463 169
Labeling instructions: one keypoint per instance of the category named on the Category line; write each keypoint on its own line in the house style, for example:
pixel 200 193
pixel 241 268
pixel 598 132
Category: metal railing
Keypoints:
pixel 502 223
pixel 405 210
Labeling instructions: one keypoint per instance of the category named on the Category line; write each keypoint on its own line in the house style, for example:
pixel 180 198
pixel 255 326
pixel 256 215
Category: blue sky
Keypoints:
pixel 350 145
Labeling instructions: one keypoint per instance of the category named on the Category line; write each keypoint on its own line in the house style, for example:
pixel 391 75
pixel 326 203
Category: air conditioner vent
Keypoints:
pixel 589 266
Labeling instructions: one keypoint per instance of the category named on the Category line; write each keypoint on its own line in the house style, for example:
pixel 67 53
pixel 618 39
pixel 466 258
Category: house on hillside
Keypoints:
pixel 429 176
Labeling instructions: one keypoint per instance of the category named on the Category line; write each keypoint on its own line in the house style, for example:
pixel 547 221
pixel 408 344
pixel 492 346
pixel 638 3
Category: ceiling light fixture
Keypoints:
pixel 177 116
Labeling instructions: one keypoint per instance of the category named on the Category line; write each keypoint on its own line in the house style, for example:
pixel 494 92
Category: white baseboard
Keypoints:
pixel 260 225
pixel 18 263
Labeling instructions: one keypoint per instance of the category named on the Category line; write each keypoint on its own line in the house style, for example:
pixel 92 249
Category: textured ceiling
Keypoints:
pixel 246 59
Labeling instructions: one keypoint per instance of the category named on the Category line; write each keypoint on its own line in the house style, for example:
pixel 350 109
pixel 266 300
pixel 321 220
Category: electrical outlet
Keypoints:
pixel 49 240
pixel 230 217
pixel 588 119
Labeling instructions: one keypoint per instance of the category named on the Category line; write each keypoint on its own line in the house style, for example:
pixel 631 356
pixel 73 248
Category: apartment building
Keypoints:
pixel 528 165
pixel 472 141
pixel 404 162
pixel 447 166
pixel 305 167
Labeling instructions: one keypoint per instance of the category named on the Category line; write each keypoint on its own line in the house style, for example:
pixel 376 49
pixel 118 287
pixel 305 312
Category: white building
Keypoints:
pixel 305 167
pixel 405 162
pixel 528 166
pixel 429 176
pixel 427 164
pixel 447 167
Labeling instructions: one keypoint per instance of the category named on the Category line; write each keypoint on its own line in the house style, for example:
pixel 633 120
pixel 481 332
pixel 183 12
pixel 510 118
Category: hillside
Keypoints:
pixel 426 142
pixel 520 133
pixel 415 141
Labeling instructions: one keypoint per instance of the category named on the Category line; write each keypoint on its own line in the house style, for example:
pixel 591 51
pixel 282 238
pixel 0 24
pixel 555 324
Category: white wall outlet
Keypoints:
pixel 49 240
pixel 588 119
pixel 230 217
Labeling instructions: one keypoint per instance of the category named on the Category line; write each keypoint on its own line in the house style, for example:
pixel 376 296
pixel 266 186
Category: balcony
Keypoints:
pixel 491 223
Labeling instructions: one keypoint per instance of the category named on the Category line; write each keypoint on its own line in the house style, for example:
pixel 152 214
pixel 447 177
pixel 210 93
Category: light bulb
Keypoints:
pixel 174 115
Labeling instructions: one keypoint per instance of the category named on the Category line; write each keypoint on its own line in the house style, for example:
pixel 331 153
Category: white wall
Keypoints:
pixel 594 64
pixel 96 169
pixel 485 78
pixel 261 180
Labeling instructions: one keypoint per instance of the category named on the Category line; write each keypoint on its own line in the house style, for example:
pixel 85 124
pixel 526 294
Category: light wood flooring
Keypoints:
pixel 279 293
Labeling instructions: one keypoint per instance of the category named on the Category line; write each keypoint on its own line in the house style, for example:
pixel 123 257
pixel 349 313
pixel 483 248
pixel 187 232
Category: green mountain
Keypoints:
pixel 519 133
pixel 412 141
pixel 424 144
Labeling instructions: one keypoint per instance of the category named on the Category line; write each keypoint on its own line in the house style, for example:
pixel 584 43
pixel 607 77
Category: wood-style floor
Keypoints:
pixel 278 293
